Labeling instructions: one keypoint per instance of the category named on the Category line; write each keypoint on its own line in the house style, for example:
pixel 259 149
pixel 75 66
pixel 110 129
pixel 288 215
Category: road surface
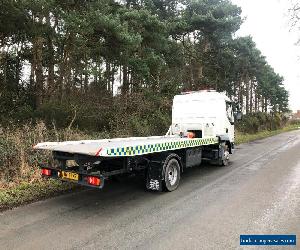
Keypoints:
pixel 259 193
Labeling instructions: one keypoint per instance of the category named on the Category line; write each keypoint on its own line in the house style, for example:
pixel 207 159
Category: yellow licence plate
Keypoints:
pixel 69 175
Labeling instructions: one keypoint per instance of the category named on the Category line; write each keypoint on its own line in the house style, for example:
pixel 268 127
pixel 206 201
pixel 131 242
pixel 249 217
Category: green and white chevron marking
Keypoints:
pixel 160 147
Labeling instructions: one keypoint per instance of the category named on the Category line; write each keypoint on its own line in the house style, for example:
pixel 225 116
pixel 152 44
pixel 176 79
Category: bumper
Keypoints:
pixel 83 178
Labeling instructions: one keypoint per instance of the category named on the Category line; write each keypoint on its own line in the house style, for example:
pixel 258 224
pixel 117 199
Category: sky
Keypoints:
pixel 267 22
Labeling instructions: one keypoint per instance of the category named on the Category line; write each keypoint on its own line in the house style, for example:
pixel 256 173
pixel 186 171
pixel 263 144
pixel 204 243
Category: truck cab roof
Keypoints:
pixel 202 95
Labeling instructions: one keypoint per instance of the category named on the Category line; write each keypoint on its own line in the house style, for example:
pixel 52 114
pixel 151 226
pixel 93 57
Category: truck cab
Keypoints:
pixel 205 113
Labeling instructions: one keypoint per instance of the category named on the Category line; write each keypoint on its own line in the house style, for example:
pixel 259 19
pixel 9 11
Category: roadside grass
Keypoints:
pixel 244 137
pixel 20 177
pixel 27 190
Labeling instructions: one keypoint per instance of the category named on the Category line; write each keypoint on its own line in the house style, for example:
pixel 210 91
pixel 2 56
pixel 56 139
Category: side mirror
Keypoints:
pixel 238 115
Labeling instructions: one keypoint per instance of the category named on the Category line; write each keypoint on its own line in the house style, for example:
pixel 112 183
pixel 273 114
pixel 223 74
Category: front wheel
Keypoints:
pixel 172 175
pixel 225 158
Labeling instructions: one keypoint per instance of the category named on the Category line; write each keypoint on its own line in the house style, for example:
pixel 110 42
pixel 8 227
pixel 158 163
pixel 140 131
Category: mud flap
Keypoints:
pixel 218 155
pixel 154 176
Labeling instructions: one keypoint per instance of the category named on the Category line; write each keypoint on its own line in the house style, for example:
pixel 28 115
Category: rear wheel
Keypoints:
pixel 172 175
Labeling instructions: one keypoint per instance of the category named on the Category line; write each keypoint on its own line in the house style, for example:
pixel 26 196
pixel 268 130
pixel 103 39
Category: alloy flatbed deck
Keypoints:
pixel 131 146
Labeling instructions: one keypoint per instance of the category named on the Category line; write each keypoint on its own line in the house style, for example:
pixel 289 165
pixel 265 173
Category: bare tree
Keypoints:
pixel 294 16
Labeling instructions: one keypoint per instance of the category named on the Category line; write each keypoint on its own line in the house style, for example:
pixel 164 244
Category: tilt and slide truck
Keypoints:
pixel 202 129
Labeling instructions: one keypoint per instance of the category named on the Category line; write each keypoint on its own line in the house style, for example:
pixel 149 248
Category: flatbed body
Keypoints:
pixel 120 147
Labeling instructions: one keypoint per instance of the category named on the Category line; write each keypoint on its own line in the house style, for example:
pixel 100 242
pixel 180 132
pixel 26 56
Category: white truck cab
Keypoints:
pixel 206 113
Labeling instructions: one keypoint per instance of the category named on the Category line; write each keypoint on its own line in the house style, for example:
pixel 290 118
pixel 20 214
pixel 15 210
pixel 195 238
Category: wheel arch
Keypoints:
pixel 171 156
pixel 225 139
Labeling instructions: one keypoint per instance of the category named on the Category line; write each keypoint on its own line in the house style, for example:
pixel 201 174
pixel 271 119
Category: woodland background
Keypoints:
pixel 115 65
pixel 75 69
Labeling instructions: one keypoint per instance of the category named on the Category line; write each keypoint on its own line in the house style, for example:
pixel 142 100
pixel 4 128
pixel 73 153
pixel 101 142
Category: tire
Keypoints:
pixel 171 175
pixel 225 161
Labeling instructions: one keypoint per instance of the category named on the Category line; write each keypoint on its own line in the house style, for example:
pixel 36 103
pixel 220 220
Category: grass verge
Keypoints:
pixel 27 192
pixel 244 138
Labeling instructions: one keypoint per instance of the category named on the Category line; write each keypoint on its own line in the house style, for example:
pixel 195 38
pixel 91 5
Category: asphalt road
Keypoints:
pixel 259 193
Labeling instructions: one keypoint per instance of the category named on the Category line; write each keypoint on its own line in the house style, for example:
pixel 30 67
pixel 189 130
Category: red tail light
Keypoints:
pixel 92 180
pixel 46 172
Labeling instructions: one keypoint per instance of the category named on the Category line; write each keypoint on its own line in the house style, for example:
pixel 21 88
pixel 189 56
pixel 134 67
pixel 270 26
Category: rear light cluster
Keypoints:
pixel 46 172
pixel 92 180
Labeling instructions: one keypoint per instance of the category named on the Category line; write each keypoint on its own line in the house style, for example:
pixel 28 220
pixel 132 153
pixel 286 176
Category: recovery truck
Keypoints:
pixel 202 129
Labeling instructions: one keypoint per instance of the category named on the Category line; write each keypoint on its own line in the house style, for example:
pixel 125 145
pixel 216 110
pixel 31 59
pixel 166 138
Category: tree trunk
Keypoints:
pixel 125 85
pixel 247 81
pixel 50 77
pixel 65 69
pixel 251 97
pixel 86 79
pixel 38 62
pixel 240 94
pixel 256 102
pixel 266 105
pixel 112 78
